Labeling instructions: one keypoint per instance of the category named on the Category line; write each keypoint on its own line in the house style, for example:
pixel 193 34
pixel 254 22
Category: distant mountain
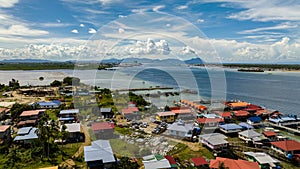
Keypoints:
pixel 194 61
pixel 26 61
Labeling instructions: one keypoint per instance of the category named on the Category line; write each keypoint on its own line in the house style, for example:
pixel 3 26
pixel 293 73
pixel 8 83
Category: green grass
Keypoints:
pixel 123 148
pixel 183 152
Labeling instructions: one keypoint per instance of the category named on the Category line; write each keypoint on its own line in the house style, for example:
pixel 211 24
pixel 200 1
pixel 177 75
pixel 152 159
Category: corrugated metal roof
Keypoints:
pixel 178 126
pixel 255 119
pixel 106 110
pixel 245 125
pixel 99 150
pixel 73 127
pixel 231 126
pixel 262 158
pixel 250 133
pixel 24 130
pixel 71 111
pixel 214 138
pixel 31 135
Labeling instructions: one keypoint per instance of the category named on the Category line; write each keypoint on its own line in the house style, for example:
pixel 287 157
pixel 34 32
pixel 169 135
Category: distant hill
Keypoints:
pixel 194 61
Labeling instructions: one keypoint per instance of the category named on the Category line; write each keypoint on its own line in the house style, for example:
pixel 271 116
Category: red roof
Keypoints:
pixel 4 128
pixel 223 114
pixel 209 120
pixel 182 111
pixel 170 159
pixel 261 111
pixel 269 133
pixel 130 110
pixel 198 161
pixel 102 126
pixel 31 113
pixel 26 122
pixel 241 113
pixel 287 145
pixel 233 164
pixel 166 113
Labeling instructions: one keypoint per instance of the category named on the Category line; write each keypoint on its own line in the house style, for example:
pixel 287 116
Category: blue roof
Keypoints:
pixel 71 111
pixel 31 135
pixel 231 126
pixel 245 125
pixel 43 103
pixel 255 119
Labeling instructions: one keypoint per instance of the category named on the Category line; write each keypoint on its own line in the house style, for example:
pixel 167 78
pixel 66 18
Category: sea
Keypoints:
pixel 275 90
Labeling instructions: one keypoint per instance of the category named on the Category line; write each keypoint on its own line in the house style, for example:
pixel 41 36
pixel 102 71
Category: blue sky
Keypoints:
pixel 230 30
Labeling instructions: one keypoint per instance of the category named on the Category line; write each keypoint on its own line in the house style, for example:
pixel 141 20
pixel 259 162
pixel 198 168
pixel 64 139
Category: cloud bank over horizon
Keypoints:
pixel 230 30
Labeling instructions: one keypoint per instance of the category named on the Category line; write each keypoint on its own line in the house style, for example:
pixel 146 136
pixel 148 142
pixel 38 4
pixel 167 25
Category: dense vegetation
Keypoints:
pixel 266 66
pixel 36 66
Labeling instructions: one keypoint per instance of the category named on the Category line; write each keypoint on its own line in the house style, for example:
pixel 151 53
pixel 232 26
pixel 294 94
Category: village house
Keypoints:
pixel 103 130
pixel 3 113
pixel 106 112
pixel 100 155
pixel 183 113
pixel 283 120
pixel 75 133
pixel 237 105
pixel 250 136
pixel 232 164
pixel 199 162
pixel 30 117
pixel 172 162
pixel 156 162
pixel 48 105
pixel 180 129
pixel 231 128
pixel 264 160
pixel 5 134
pixel 131 113
pixel 167 116
pixel 26 134
pixel 254 121
pixel 245 126
pixel 288 148
pixel 225 115
pixel 68 116
pixel 209 123
pixel 241 115
pixel 271 135
pixel 214 141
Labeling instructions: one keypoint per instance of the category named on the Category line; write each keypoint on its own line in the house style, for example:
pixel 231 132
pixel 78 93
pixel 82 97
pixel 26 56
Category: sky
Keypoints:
pixel 214 30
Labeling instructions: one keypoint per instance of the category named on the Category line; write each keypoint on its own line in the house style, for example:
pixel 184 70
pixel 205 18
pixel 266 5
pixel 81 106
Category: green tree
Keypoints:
pixel 17 109
pixel 126 162
pixel 14 84
pixel 56 83
pixel 167 108
pixel 71 81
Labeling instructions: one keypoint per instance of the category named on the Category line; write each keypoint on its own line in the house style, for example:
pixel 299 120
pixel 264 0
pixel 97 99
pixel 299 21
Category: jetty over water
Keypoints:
pixel 295 131
pixel 142 89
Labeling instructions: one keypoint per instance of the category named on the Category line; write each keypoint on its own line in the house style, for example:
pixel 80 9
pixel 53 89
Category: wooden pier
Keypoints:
pixel 295 131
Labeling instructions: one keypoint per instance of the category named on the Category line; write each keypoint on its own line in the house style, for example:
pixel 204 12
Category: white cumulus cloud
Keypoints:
pixel 21 30
pixel 8 3
pixel 150 47
pixel 81 25
pixel 74 31
pixel 92 31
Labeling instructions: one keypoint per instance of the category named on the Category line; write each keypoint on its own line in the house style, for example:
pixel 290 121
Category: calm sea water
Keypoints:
pixel 280 91
pixel 273 90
